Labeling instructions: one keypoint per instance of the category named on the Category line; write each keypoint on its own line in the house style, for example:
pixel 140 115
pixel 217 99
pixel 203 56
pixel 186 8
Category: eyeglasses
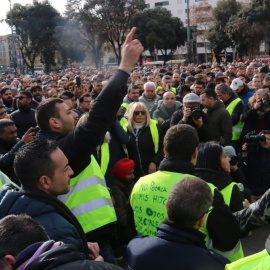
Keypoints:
pixel 208 211
pixel 21 97
pixel 2 113
pixel 139 112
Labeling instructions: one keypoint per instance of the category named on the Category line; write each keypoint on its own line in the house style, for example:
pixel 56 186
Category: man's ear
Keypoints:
pixel 54 122
pixel 9 262
pixel 194 156
pixel 199 223
pixel 44 183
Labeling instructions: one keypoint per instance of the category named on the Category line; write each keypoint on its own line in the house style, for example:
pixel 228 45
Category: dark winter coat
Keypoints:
pixel 64 257
pixel 24 119
pixel 220 123
pixel 141 150
pixel 173 248
pixel 59 223
pixel 7 155
pixel 221 179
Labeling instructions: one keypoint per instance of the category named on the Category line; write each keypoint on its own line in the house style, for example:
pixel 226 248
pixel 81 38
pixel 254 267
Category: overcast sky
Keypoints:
pixel 5 5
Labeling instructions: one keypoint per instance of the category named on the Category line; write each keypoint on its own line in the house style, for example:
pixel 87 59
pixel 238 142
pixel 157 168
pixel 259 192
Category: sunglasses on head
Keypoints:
pixel 138 112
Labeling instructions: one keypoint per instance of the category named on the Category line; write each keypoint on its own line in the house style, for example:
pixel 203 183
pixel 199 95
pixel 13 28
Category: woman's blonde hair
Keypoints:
pixel 132 107
pixel 253 99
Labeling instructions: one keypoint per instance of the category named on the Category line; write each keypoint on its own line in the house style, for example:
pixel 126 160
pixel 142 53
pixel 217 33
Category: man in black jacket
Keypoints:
pixel 190 113
pixel 24 243
pixel 56 121
pixel 24 117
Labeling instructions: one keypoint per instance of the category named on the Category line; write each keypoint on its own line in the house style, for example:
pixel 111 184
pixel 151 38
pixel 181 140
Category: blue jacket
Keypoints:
pixel 57 223
pixel 173 248
pixel 246 94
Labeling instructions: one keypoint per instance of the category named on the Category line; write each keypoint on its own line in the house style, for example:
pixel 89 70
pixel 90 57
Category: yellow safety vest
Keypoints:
pixel 172 88
pixel 237 129
pixel 258 261
pixel 1 184
pixel 123 122
pixel 148 199
pixel 105 157
pixel 237 252
pixel 227 192
pixel 125 105
pixel 89 199
pixel 154 133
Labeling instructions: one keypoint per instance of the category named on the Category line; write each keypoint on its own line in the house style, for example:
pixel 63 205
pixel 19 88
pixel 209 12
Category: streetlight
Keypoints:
pixel 188 33
pixel 14 60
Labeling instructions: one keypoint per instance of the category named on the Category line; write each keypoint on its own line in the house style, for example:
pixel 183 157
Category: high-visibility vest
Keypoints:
pixel 236 129
pixel 227 192
pixel 1 184
pixel 172 88
pixel 89 199
pixel 237 252
pixel 123 122
pixel 148 199
pixel 154 133
pixel 105 157
pixel 125 105
pixel 258 261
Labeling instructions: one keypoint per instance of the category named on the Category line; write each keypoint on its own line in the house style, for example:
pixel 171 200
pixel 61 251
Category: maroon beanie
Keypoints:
pixel 123 167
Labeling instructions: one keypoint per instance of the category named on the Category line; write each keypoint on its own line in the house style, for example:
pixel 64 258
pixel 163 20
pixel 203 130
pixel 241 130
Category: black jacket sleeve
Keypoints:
pixel 236 203
pixel 80 144
pixel 222 226
pixel 8 158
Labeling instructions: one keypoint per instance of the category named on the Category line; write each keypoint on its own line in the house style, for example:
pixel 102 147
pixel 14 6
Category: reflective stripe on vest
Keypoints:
pixel 89 199
pixel 105 157
pixel 148 199
pixel 258 261
pixel 237 252
pixel 227 192
pixel 125 105
pixel 154 133
pixel 1 184
pixel 237 129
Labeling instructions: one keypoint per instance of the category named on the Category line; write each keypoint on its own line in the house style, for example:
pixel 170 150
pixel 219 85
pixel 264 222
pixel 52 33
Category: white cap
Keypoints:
pixel 236 83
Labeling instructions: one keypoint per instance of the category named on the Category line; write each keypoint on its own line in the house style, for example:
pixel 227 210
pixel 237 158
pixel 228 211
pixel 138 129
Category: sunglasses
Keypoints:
pixel 139 112
pixel 21 98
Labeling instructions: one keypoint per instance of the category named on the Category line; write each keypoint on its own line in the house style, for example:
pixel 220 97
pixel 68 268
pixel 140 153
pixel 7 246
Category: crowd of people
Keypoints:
pixel 177 155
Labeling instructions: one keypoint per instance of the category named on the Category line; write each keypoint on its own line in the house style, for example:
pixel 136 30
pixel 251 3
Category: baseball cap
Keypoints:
pixel 236 83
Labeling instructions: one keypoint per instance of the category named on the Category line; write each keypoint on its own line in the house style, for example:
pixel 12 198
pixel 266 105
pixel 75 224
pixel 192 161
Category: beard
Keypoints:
pixel 8 102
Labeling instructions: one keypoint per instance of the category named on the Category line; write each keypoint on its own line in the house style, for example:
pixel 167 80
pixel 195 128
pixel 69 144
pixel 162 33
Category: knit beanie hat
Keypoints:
pixel 123 167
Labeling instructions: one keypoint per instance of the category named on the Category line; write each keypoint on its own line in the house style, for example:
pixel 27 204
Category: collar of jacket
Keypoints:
pixel 177 166
pixel 49 135
pixel 173 232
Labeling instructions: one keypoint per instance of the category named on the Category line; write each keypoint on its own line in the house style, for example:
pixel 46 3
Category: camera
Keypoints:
pixel 265 103
pixel 195 112
pixel 252 141
pixel 233 160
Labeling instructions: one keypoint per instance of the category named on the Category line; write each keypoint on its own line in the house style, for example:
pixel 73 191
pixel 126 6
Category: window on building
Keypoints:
pixel 161 4
pixel 147 5
pixel 199 0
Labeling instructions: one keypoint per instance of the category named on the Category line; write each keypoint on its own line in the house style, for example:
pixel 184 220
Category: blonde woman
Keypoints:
pixel 257 113
pixel 145 143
